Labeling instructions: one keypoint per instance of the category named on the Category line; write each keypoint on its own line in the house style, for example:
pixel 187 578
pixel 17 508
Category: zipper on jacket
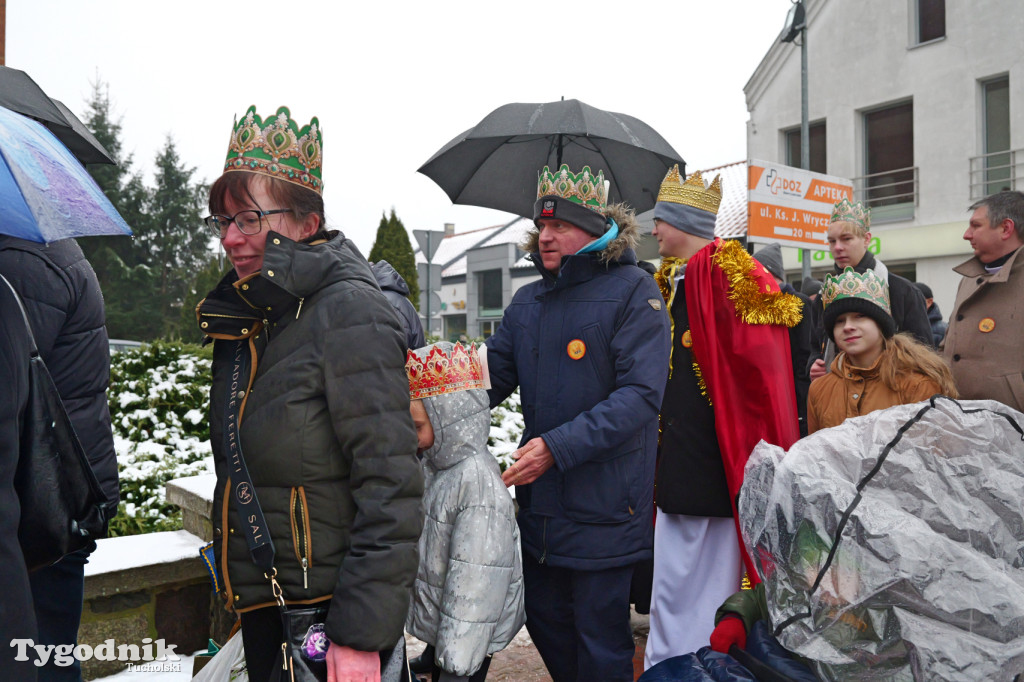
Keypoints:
pixel 300 308
pixel 299 525
pixel 544 543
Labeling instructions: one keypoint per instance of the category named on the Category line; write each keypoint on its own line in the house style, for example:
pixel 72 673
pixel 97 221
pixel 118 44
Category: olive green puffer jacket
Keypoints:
pixel 326 435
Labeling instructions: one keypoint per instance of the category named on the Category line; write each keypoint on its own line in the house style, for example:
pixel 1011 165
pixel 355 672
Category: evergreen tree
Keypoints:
pixel 392 244
pixel 124 188
pixel 175 241
pixel 146 279
pixel 207 277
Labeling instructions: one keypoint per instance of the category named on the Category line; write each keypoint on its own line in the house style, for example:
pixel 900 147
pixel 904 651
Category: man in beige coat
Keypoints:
pixel 983 345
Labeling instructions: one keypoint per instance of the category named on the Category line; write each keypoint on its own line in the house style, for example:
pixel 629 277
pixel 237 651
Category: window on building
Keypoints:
pixel 489 298
pixel 996 105
pixel 454 327
pixel 489 327
pixel 817 137
pixel 931 20
pixel 889 185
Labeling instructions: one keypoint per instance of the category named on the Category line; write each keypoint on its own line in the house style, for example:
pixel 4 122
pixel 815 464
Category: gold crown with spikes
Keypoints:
pixel 442 372
pixel 692 192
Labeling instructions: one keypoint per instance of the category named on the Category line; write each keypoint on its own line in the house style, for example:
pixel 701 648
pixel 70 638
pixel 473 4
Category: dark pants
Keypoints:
pixel 261 638
pixel 579 621
pixel 57 592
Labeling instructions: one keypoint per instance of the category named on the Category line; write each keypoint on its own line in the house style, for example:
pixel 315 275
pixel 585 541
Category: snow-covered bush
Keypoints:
pixel 159 399
pixel 506 429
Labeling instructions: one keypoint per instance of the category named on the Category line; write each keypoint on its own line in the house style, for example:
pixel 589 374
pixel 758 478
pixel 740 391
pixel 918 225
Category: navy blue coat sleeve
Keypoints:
pixel 640 350
pixel 501 365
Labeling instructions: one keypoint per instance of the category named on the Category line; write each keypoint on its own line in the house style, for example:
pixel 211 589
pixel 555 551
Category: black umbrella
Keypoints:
pixel 19 93
pixel 495 163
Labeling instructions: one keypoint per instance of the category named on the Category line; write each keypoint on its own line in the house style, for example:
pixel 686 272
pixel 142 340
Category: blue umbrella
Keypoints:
pixel 45 193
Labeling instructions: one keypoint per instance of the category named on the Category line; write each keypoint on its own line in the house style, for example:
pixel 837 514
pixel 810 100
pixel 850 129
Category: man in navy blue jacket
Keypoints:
pixel 588 346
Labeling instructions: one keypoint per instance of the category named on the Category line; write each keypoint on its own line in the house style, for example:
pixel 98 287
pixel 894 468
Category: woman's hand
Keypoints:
pixel 345 664
pixel 532 460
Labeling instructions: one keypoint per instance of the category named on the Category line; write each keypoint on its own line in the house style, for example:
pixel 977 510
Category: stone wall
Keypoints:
pixel 154 586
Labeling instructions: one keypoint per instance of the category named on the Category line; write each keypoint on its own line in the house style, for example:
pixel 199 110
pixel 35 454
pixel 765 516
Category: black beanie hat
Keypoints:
pixel 852 292
pixel 553 207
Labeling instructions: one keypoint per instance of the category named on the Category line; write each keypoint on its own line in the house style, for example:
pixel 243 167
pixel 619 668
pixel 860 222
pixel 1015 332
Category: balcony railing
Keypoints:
pixel 891 195
pixel 995 172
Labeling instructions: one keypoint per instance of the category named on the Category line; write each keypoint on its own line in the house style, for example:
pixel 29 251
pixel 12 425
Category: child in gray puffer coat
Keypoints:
pixel 468 596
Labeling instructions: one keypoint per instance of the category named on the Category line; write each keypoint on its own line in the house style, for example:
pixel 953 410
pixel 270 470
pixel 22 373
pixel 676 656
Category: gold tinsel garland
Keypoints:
pixel 753 305
pixel 700 381
pixel 665 274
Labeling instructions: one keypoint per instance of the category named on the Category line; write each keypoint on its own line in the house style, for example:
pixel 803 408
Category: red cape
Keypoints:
pixel 747 368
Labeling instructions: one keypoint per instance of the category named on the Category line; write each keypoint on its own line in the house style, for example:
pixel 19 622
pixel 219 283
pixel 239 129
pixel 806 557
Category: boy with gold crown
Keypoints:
pixel 588 346
pixel 730 385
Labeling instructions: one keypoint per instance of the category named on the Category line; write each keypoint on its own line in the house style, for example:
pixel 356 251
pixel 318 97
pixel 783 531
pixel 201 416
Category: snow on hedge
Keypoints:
pixel 159 397
pixel 159 401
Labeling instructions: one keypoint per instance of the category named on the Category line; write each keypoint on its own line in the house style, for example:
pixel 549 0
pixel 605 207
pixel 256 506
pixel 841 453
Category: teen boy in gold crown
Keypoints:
pixel 588 347
pixel 730 385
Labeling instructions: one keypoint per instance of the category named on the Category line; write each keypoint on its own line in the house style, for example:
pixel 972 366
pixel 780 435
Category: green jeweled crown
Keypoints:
pixel 846 211
pixel 277 147
pixel 583 188
pixel 851 284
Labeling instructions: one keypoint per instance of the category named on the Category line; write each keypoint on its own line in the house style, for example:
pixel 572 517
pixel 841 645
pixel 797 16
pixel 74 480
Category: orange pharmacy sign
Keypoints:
pixel 791 206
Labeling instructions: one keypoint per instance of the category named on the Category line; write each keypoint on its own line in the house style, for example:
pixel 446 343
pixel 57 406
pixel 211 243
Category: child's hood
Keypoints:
pixel 462 423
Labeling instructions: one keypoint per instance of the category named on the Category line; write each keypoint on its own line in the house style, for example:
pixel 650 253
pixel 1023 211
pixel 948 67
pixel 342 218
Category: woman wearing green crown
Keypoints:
pixel 318 485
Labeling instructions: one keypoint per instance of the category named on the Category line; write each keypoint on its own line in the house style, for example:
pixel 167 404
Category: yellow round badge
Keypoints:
pixel 576 349
pixel 687 339
pixel 987 325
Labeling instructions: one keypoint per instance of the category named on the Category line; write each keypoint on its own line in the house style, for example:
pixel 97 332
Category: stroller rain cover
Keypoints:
pixel 892 546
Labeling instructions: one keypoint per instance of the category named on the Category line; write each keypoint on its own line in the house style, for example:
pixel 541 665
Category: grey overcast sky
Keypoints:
pixel 391 82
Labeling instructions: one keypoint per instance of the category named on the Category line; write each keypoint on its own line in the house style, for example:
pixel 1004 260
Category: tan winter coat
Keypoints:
pixel 849 391
pixel 988 365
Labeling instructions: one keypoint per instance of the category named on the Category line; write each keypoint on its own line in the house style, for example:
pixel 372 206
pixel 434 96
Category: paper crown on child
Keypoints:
pixel 846 211
pixel 277 147
pixel 864 293
pixel 443 368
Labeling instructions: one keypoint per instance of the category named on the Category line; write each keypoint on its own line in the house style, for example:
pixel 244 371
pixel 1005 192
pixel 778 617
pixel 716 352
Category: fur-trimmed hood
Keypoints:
pixel 629 234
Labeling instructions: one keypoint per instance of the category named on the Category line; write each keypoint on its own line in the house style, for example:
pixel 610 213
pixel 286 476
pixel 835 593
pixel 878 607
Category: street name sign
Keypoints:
pixel 791 206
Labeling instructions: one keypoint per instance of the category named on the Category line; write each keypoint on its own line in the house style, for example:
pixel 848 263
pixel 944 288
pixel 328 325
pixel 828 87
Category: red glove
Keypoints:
pixel 729 631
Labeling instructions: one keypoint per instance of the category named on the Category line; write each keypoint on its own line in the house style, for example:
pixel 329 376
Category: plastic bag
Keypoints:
pixel 228 665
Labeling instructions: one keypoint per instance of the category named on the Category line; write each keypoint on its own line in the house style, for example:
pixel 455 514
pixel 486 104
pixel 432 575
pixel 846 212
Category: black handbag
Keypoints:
pixel 63 508
pixel 303 653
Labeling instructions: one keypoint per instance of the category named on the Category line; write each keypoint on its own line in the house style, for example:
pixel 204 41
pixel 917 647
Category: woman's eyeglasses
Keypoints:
pixel 248 222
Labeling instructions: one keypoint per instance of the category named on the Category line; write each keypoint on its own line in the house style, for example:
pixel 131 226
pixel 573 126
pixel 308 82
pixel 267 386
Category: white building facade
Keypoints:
pixel 918 102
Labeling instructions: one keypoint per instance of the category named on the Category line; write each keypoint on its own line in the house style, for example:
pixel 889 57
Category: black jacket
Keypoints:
pixel 17 617
pixel 396 291
pixel 64 304
pixel 326 435
pixel 800 348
